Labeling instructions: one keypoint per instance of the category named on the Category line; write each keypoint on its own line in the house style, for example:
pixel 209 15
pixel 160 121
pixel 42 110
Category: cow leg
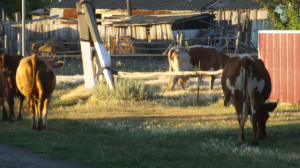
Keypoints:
pixel 11 104
pixel 172 82
pixel 31 108
pixel 201 81
pixel 240 109
pixel 212 80
pixel 255 104
pixel 182 80
pixel 20 104
pixel 40 106
pixel 45 111
pixel 4 114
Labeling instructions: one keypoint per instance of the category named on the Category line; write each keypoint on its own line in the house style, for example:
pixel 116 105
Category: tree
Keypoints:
pixel 13 6
pixel 288 19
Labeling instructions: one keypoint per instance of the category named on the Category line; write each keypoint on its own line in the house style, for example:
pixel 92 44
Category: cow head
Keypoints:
pixel 58 64
pixel 263 116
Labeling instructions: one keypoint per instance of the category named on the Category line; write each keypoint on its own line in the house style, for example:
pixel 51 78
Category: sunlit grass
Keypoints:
pixel 170 129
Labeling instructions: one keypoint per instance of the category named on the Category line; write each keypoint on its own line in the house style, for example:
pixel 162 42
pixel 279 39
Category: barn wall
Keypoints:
pixel 281 54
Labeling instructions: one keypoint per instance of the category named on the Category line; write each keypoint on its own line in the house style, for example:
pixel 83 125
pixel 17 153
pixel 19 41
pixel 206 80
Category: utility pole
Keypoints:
pixel 23 28
pixel 129 8
pixel 89 33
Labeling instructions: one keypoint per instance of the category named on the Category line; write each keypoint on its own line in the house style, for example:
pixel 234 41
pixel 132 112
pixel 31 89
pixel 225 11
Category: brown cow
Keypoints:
pixel 188 58
pixel 3 90
pixel 11 63
pixel 36 80
pixel 246 84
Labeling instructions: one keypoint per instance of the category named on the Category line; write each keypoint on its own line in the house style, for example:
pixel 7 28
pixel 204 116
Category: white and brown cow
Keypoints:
pixel 246 84
pixel 36 80
pixel 188 58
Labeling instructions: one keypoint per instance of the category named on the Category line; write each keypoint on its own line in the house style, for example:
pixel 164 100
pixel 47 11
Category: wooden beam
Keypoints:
pixel 155 74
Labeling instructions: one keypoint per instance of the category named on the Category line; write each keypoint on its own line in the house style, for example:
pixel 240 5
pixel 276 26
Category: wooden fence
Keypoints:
pixel 69 33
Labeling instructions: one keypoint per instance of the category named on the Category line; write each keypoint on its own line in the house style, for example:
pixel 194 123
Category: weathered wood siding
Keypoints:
pixel 69 33
pixel 241 20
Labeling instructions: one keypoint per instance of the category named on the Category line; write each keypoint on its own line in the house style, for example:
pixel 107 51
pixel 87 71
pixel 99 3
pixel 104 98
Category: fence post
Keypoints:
pixel 5 43
pixel 18 16
pixel 198 90
pixel 237 42
pixel 177 39
pixel 117 46
pixel 109 44
pixel 180 41
pixel 227 45
pixel 19 44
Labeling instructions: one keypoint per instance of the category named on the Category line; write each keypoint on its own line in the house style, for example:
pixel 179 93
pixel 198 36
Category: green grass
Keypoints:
pixel 169 130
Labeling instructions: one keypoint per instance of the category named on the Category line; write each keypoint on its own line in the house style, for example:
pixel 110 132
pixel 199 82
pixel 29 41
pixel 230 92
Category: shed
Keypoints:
pixel 279 49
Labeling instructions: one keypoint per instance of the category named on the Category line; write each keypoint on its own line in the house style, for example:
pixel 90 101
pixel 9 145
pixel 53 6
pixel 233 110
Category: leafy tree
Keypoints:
pixel 288 19
pixel 13 6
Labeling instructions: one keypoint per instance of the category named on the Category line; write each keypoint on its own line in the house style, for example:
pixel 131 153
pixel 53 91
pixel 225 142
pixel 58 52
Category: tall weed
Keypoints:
pixel 125 89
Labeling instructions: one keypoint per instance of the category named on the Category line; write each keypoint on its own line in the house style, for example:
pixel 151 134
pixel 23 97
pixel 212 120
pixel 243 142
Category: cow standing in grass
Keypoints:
pixel 35 79
pixel 11 62
pixel 188 58
pixel 246 84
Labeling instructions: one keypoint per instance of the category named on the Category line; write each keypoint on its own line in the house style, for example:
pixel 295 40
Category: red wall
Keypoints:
pixel 280 51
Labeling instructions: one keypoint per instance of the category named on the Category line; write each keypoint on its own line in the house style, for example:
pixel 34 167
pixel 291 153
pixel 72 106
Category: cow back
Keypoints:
pixel 233 76
pixel 35 75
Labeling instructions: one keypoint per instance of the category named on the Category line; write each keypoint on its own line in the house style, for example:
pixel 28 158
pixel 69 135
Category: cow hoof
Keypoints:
pixel 20 118
pixel 253 143
pixel 45 126
pixel 261 137
pixel 33 127
pixel 39 128
pixel 4 116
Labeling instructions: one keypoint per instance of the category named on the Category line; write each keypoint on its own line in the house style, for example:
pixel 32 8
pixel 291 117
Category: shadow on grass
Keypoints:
pixel 154 142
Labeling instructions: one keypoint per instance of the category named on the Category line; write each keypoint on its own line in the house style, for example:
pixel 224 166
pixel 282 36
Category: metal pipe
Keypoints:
pixel 23 28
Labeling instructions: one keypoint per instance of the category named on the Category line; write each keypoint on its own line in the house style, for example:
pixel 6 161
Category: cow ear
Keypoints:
pixel 58 64
pixel 270 106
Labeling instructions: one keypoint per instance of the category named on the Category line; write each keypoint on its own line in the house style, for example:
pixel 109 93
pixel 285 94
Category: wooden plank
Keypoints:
pixel 155 74
pixel 159 33
pixel 169 32
pixel 164 32
pixel 153 33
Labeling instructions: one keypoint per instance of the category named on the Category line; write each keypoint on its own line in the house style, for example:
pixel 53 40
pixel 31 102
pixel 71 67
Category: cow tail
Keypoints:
pixel 33 63
pixel 245 84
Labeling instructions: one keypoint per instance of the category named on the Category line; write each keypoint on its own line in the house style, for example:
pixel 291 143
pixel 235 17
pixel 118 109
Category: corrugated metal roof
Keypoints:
pixel 162 18
pixel 237 4
pixel 191 5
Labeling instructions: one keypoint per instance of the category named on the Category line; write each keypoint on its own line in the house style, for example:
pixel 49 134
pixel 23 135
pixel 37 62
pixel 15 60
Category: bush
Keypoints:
pixel 125 89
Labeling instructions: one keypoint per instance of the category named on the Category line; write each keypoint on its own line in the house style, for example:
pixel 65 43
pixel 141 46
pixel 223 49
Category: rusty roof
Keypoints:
pixel 184 5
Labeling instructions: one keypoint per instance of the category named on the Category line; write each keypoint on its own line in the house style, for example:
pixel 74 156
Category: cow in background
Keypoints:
pixel 246 84
pixel 11 62
pixel 188 58
pixel 36 80
pixel 3 90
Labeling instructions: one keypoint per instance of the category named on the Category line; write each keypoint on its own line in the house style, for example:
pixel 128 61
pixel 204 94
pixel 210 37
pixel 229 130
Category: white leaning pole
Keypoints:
pixel 88 28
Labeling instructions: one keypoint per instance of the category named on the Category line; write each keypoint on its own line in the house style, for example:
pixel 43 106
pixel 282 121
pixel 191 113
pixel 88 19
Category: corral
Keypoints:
pixel 163 129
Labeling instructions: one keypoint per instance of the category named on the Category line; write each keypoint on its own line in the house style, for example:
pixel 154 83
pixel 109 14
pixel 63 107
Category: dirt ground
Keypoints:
pixel 15 157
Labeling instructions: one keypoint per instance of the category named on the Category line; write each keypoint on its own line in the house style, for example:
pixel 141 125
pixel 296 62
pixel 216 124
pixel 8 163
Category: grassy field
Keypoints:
pixel 169 130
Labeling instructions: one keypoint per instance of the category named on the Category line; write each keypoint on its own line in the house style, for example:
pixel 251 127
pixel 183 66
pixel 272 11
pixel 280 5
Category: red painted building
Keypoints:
pixel 280 51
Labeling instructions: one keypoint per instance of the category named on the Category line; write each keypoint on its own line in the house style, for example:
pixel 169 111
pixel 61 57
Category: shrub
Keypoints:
pixel 125 89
